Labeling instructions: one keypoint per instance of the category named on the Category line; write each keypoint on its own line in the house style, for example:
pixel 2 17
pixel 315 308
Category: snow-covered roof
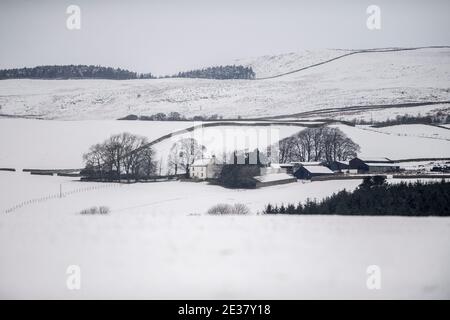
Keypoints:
pixel 311 163
pixel 273 177
pixel 318 169
pixel 281 165
pixel 343 162
pixel 374 159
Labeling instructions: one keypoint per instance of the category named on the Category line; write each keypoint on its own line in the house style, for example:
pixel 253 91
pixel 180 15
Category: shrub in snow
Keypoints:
pixel 222 208
pixel 96 210
pixel 240 208
pixel 103 210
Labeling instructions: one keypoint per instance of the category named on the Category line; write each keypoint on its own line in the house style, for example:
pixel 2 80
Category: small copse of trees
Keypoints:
pixel 317 144
pixel 219 72
pixel 121 156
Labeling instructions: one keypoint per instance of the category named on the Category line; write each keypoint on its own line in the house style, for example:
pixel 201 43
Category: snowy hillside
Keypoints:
pixel 417 130
pixel 43 144
pixel 360 79
pixel 272 65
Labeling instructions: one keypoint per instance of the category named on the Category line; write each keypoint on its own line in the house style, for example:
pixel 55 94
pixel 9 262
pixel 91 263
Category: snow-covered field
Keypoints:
pixel 396 146
pixel 60 144
pixel 417 130
pixel 44 144
pixel 392 113
pixel 51 144
pixel 361 79
pixel 157 243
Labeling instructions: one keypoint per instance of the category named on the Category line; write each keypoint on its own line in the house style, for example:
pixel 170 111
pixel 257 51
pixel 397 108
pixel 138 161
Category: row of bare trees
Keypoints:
pixel 317 144
pixel 121 156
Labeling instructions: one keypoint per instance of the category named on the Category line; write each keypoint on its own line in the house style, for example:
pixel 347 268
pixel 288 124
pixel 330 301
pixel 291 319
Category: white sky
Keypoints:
pixel 164 37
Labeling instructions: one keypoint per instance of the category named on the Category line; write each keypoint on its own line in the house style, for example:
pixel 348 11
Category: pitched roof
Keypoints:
pixel 281 165
pixel 342 162
pixel 375 159
pixel 318 169
pixel 310 163
pixel 274 177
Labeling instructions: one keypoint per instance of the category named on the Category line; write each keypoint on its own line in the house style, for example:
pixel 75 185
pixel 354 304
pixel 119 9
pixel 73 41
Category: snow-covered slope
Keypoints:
pixel 417 130
pixel 407 146
pixel 272 65
pixel 44 144
pixel 360 79
pixel 61 144
pixel 151 246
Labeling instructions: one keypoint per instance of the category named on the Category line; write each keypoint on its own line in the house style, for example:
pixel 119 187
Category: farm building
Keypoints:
pixel 275 168
pixel 307 172
pixel 206 168
pixel 306 163
pixel 337 166
pixel 373 165
pixel 273 179
pixel 287 167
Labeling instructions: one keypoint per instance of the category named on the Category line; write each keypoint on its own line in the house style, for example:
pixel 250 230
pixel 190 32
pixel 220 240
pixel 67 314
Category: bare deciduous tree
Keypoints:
pixel 317 144
pixel 121 154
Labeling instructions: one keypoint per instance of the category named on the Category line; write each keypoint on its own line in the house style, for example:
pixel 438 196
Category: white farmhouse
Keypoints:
pixel 206 168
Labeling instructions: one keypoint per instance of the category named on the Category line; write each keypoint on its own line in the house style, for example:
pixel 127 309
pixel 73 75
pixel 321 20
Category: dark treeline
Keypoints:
pixel 220 72
pixel 171 116
pixel 71 72
pixel 375 197
pixel 439 118
pixel 99 72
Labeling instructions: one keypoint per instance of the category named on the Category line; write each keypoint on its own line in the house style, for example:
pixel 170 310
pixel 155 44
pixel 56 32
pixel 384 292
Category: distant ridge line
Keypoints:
pixel 350 54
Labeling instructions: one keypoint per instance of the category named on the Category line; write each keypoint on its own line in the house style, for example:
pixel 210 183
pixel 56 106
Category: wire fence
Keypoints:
pixel 61 195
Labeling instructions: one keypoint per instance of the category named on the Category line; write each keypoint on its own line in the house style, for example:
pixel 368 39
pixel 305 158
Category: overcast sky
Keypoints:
pixel 163 37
